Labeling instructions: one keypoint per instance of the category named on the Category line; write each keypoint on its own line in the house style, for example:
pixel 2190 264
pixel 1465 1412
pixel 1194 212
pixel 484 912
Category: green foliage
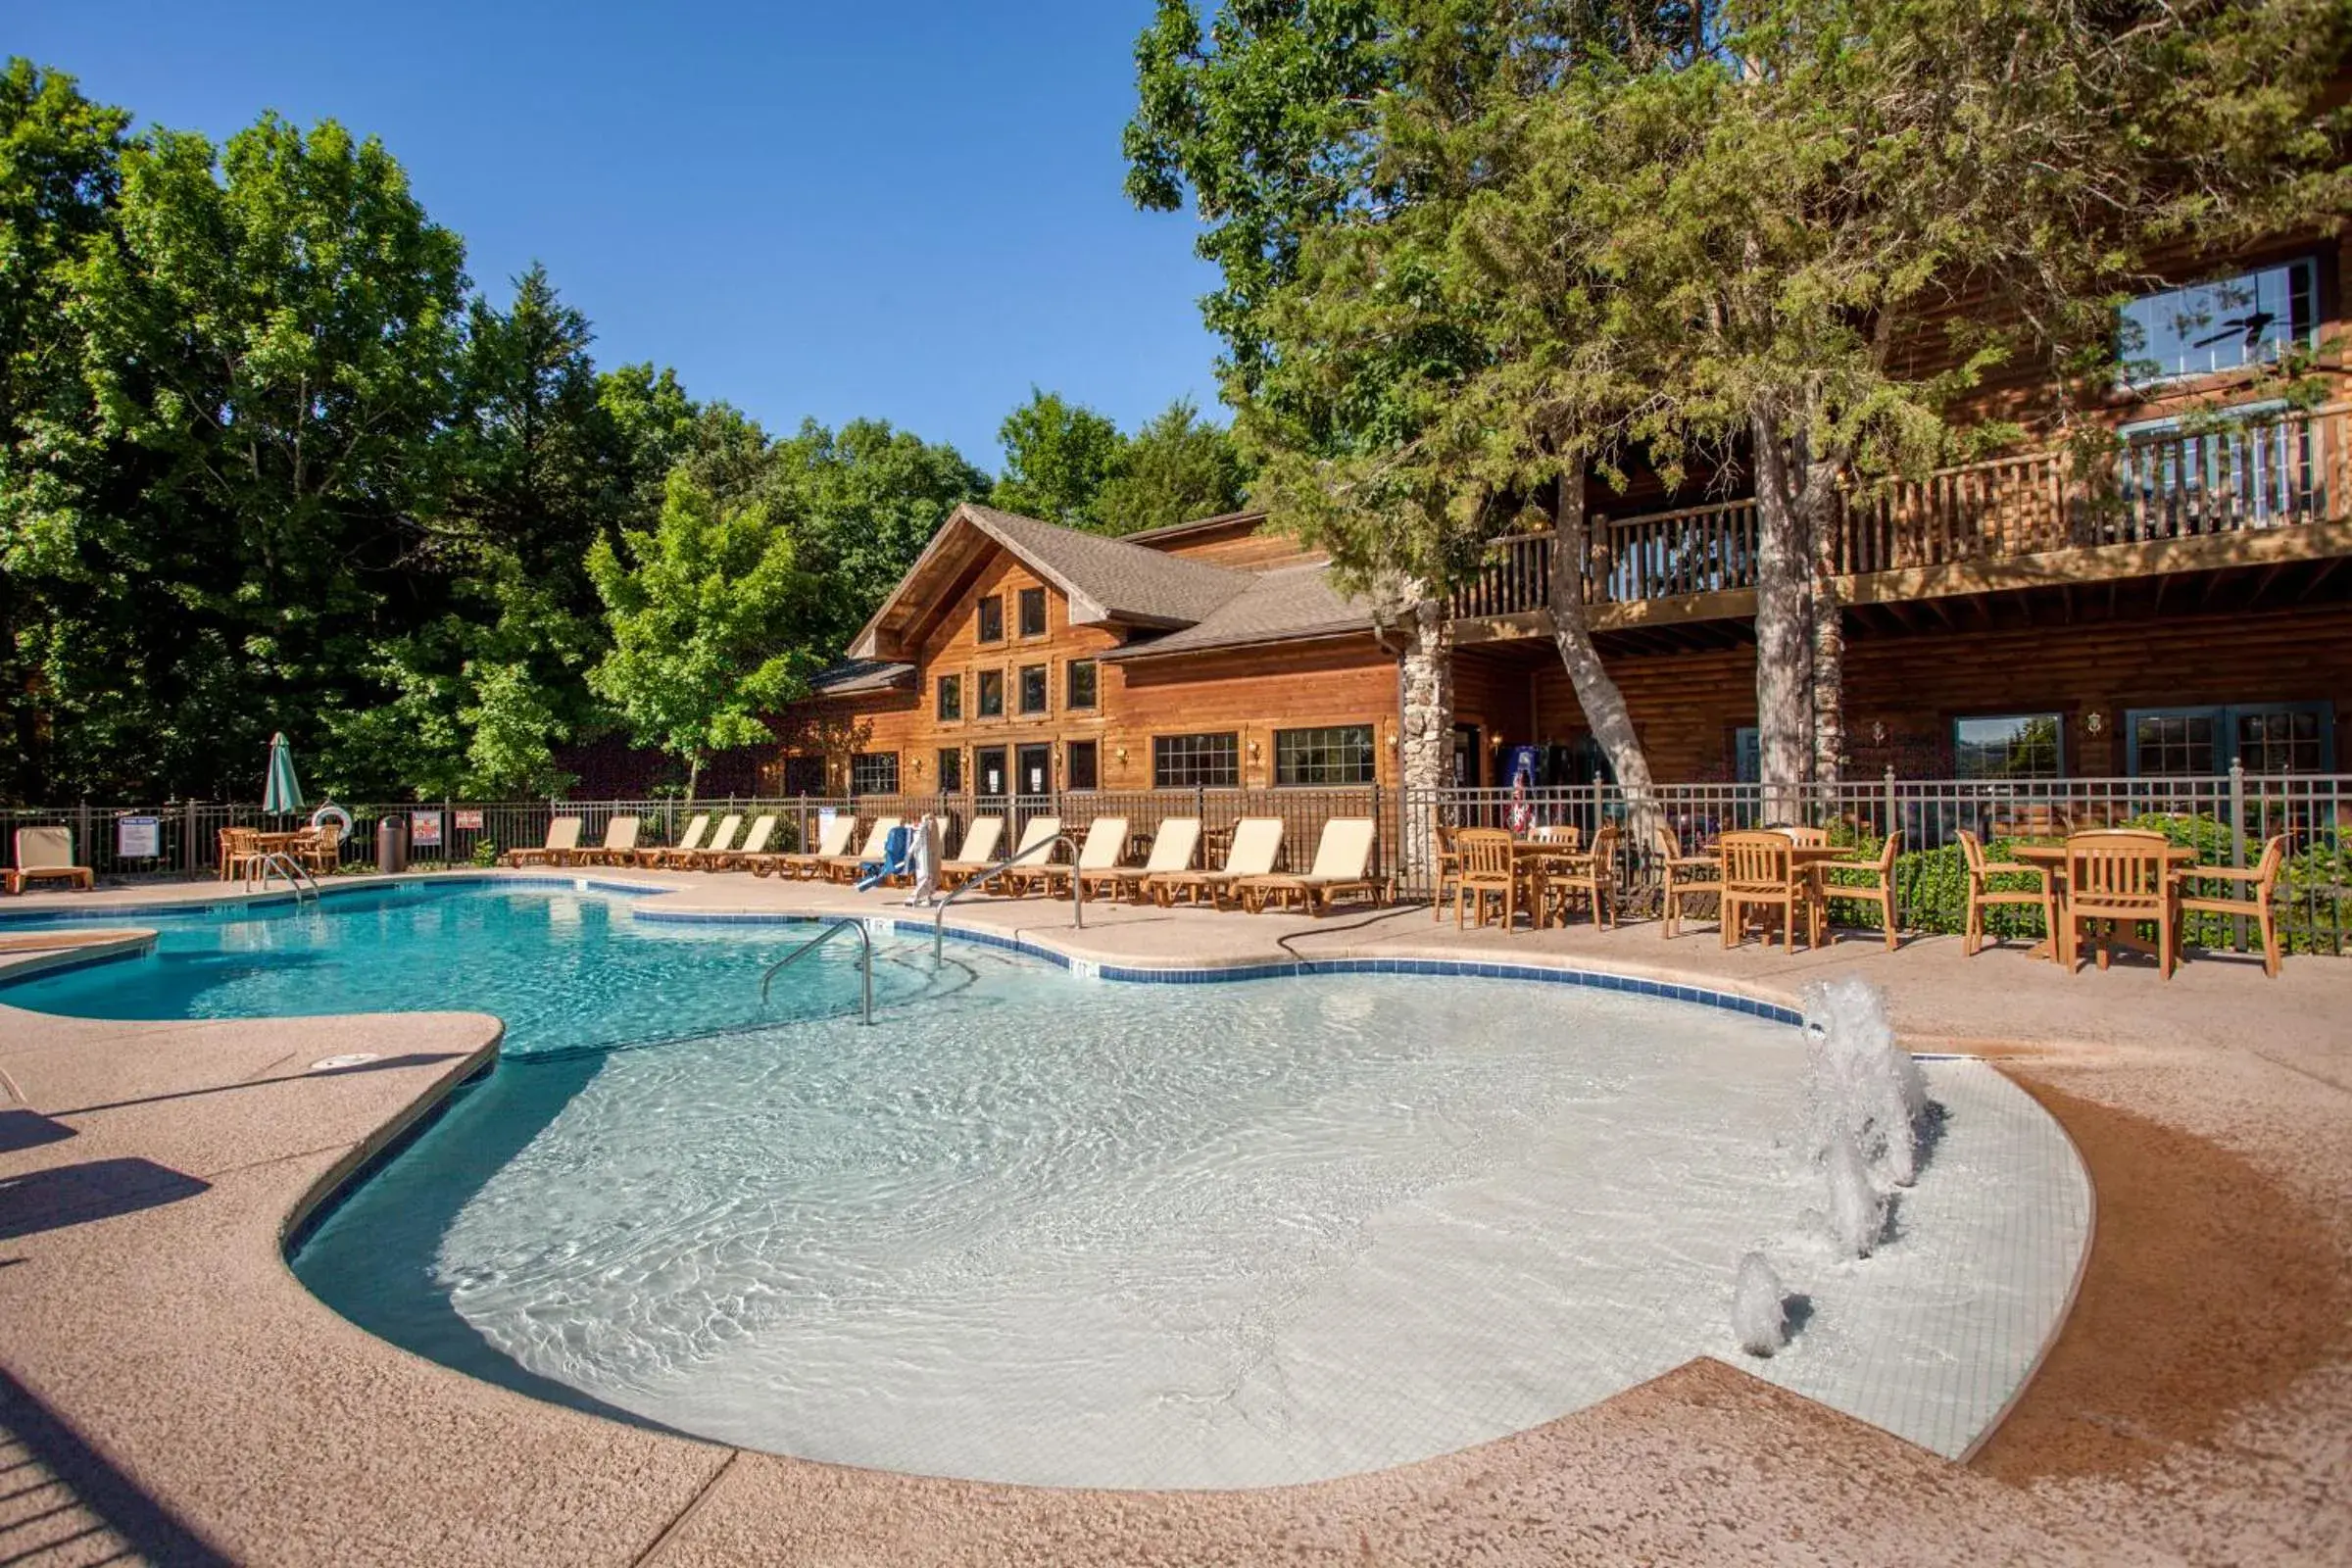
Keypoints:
pixel 1176 468
pixel 712 620
pixel 1057 458
pixel 869 498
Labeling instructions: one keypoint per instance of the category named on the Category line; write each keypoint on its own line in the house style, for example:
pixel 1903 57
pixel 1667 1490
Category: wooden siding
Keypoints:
pixel 1245 544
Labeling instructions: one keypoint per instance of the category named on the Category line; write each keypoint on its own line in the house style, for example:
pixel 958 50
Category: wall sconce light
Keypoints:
pixel 1878 732
pixel 1254 751
pixel 1120 754
pixel 2093 722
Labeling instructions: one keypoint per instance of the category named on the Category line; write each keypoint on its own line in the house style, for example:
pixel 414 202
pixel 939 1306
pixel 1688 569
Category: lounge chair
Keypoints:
pixel 696 826
pixel 763 828
pixel 844 867
pixel 832 838
pixel 1343 865
pixel 1256 845
pixel 1034 832
pixel 979 851
pixel 1106 845
pixel 1173 846
pixel 562 839
pixel 618 849
pixel 45 854
pixel 687 856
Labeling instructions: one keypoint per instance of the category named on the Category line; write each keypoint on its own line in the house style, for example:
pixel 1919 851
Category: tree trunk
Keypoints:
pixel 1597 693
pixel 1784 626
pixel 694 772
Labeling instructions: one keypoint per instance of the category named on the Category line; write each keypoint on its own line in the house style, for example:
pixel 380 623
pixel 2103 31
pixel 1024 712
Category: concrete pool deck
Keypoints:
pixel 172 1389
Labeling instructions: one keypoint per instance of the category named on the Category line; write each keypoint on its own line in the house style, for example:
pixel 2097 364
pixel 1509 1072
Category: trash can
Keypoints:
pixel 392 844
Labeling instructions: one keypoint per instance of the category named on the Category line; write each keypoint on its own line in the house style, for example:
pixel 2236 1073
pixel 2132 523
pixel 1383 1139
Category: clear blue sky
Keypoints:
pixel 910 210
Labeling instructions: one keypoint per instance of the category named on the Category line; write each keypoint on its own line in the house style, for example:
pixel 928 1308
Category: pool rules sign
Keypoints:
pixel 138 838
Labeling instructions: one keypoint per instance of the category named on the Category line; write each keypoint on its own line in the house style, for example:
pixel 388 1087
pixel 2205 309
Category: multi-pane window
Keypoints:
pixel 950 697
pixel 874 773
pixel 1033 611
pixel 2219 326
pixel 1033 688
pixel 991 627
pixel 2009 746
pixel 992 694
pixel 1080 768
pixel 1081 684
pixel 1337 754
pixel 2267 737
pixel 951 770
pixel 1186 762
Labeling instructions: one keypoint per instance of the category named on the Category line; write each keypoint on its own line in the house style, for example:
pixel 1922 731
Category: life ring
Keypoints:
pixel 341 817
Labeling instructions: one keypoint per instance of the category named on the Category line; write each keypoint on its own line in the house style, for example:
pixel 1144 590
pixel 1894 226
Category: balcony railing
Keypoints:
pixel 2166 485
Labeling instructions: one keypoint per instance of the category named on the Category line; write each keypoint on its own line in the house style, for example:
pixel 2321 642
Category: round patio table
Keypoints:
pixel 2051 860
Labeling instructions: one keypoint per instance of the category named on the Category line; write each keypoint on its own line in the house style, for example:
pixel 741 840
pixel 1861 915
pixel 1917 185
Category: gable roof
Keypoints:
pixel 853 675
pixel 1279 605
pixel 1105 580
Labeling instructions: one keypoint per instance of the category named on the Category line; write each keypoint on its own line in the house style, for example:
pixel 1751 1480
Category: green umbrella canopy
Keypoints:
pixel 283 793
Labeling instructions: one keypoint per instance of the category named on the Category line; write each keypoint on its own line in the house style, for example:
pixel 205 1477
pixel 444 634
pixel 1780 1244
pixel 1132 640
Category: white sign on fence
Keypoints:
pixel 424 830
pixel 468 821
pixel 138 838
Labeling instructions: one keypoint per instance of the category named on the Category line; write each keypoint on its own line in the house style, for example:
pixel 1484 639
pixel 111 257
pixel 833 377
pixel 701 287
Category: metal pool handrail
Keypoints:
pixel 296 874
pixel 833 928
pixel 938 935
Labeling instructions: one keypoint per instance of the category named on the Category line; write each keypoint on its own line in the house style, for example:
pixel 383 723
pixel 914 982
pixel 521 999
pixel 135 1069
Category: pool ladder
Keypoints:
pixel 939 934
pixel 298 876
pixel 833 928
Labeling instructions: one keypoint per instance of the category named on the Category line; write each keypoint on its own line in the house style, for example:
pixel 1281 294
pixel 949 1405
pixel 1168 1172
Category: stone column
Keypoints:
pixel 1426 722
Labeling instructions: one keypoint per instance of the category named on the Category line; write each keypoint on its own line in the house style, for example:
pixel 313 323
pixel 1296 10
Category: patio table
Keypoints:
pixel 2051 859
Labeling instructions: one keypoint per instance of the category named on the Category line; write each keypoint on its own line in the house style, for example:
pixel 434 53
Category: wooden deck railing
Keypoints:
pixel 2164 485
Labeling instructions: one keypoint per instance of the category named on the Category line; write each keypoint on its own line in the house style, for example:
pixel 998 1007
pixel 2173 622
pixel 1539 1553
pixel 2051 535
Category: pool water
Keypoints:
pixel 1037 1228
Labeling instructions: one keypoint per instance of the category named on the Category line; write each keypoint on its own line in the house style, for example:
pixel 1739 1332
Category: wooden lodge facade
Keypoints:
pixel 2181 606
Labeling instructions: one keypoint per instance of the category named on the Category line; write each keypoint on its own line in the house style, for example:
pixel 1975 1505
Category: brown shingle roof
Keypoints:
pixel 860 675
pixel 1280 606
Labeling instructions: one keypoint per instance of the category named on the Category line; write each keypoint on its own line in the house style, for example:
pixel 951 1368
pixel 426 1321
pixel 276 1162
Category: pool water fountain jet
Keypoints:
pixel 1759 1307
pixel 1859 1082
pixel 1857 1210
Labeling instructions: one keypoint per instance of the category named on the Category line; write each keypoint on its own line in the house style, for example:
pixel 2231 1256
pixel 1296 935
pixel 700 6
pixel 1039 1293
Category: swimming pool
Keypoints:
pixel 1032 1227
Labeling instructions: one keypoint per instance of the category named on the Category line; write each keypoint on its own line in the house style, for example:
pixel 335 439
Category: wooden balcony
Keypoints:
pixel 2248 494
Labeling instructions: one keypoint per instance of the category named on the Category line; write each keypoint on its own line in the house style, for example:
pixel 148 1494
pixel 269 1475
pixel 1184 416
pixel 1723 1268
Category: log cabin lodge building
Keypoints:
pixel 2009 619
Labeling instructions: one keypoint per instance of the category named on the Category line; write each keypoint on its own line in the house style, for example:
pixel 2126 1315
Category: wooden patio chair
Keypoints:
pixel 684 857
pixel 1685 876
pixel 240 852
pixel 1445 869
pixel 321 851
pixel 746 855
pixel 2118 878
pixel 1255 846
pixel 2256 885
pixel 1760 872
pixel 692 839
pixel 1103 848
pixel 1983 895
pixel 845 867
pixel 618 847
pixel 563 837
pixel 1487 870
pixel 1034 832
pixel 1877 887
pixel 977 853
pixel 1591 876
pixel 46 854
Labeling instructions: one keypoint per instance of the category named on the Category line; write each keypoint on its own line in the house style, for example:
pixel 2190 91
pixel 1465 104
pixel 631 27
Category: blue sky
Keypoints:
pixel 910 210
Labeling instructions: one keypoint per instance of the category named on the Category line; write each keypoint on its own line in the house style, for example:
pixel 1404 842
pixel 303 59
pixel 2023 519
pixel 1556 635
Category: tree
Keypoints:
pixel 869 498
pixel 1058 457
pixel 1174 469
pixel 714 623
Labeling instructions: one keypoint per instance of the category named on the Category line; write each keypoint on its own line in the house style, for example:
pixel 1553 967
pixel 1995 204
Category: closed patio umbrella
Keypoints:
pixel 282 793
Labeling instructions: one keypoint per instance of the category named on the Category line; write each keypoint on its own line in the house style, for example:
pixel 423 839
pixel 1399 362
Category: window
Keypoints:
pixel 950 697
pixel 804 775
pixel 951 770
pixel 1079 765
pixel 992 694
pixel 1340 754
pixel 2220 325
pixel 1033 688
pixel 1033 611
pixel 1184 761
pixel 991 628
pixel 1081 684
pixel 1747 753
pixel 2202 742
pixel 2009 746
pixel 874 773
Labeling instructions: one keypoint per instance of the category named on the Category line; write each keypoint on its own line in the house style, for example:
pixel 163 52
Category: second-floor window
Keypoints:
pixel 950 697
pixel 1033 688
pixel 992 694
pixel 2219 326
pixel 989 624
pixel 1033 611
pixel 1081 683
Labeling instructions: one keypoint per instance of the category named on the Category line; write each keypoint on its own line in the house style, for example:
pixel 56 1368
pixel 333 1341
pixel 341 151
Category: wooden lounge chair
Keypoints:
pixel 1256 844
pixel 2118 878
pixel 1877 883
pixel 1982 895
pixel 618 849
pixel 832 840
pixel 1759 872
pixel 562 838
pixel 2255 887
pixel 46 854
pixel 1591 875
pixel 763 828
pixel 1683 876
pixel 844 867
pixel 692 839
pixel 1105 846
pixel 978 854
pixel 1173 846
pixel 1037 832
pixel 686 856
pixel 1343 865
